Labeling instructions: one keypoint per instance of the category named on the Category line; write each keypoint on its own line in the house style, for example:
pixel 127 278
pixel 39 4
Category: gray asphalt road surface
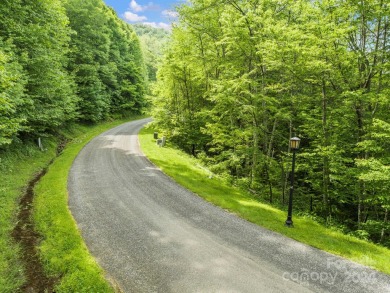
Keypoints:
pixel 151 235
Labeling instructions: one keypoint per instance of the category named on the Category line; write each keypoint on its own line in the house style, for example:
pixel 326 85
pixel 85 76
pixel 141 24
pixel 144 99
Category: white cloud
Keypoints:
pixel 133 14
pixel 170 13
pixel 136 7
pixel 162 25
pixel 132 17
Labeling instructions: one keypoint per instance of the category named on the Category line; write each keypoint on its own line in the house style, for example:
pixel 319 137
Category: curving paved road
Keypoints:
pixel 151 235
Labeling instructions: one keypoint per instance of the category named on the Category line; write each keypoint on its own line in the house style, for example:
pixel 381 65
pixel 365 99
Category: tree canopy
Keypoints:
pixel 242 77
pixel 153 41
pixel 64 61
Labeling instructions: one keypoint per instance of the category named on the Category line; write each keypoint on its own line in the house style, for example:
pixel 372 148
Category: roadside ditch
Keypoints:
pixel 24 234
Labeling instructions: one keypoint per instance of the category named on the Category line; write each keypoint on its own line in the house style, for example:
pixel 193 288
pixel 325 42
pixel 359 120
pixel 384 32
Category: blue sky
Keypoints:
pixel 156 13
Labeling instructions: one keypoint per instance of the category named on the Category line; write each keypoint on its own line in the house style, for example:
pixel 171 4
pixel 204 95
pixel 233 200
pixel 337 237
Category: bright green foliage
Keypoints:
pixel 241 77
pixel 132 75
pixel 40 34
pixel 106 59
pixel 65 60
pixel 90 51
pixel 11 95
pixel 182 95
pixel 153 41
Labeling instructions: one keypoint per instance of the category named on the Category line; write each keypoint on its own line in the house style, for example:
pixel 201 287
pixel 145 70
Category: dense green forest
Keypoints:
pixel 242 77
pixel 153 42
pixel 65 61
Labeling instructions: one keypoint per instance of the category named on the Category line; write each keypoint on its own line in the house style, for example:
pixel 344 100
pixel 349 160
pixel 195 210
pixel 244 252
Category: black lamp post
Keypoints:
pixel 294 146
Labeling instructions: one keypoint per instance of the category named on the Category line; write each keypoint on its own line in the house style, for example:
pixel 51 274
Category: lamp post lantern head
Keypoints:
pixel 294 143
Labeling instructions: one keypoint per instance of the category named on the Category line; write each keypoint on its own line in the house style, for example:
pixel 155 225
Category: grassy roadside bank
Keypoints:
pixel 188 172
pixel 17 166
pixel 62 250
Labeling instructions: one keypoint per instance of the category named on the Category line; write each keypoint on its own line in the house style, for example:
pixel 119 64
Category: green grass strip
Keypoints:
pixel 188 172
pixel 18 166
pixel 63 252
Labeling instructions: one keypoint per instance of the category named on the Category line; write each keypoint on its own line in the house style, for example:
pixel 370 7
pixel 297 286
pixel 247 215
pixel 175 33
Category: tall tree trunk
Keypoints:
pixel 361 191
pixel 285 183
pixel 268 160
pixel 255 153
pixel 325 162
